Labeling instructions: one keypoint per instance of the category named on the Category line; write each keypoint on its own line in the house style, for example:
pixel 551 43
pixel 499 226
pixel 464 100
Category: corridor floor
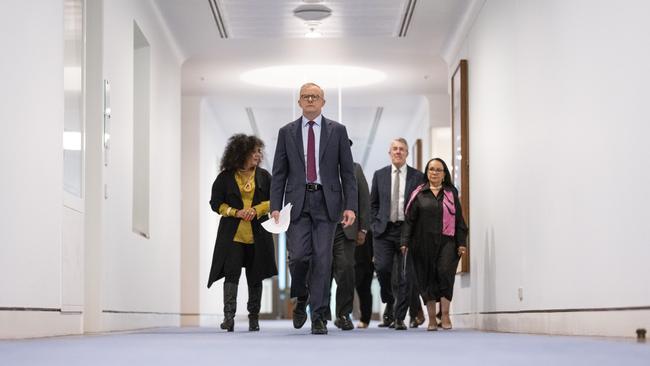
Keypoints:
pixel 279 344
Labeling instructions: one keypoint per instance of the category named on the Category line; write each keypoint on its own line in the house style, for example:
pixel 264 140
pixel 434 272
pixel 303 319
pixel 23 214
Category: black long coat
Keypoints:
pixel 225 190
pixel 435 256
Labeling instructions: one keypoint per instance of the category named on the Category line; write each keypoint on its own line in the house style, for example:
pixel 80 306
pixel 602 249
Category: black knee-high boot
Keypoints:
pixel 254 304
pixel 229 306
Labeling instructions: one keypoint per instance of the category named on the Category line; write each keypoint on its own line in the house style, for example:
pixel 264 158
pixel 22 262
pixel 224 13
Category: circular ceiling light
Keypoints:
pixel 327 76
pixel 312 12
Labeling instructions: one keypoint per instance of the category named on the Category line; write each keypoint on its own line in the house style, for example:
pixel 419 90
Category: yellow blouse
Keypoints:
pixel 247 189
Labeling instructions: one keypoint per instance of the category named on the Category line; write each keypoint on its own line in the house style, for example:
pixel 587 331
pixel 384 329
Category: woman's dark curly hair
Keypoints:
pixel 239 148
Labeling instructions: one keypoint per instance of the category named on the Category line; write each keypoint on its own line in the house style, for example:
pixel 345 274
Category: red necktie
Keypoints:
pixel 311 154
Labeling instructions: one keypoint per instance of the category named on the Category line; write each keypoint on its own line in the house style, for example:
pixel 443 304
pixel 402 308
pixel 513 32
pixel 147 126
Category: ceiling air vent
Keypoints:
pixel 406 19
pixel 218 19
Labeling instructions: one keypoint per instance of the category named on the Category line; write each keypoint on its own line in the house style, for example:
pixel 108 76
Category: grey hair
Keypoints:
pixel 399 139
pixel 322 92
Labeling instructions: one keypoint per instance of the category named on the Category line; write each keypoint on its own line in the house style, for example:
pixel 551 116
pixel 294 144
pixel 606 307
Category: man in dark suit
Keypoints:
pixel 345 242
pixel 313 170
pixel 391 188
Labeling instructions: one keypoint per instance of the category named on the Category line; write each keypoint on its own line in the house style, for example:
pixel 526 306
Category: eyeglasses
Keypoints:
pixel 437 170
pixel 310 97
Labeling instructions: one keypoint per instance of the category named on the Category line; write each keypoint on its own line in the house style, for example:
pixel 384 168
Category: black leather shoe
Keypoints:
pixel 300 314
pixel 228 324
pixel 399 325
pixel 344 323
pixel 253 323
pixel 417 321
pixel 388 318
pixel 318 327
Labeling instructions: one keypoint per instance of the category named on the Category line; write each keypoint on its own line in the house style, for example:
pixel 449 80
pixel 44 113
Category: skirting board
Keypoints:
pixel 32 324
pixel 621 323
pixel 118 321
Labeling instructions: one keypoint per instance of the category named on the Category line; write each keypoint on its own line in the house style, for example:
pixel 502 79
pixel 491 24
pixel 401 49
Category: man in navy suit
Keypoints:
pixel 313 170
pixel 391 189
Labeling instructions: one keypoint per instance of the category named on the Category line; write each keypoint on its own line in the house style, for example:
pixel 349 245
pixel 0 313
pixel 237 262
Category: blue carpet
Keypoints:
pixel 279 344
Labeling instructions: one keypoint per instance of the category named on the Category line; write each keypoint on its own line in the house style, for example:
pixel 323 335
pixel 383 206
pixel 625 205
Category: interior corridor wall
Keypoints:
pixel 440 127
pixel 31 151
pixel 558 144
pixel 419 130
pixel 141 284
pixel 213 140
pixel 203 144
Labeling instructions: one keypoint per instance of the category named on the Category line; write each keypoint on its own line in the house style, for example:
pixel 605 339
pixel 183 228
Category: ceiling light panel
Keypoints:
pixel 327 76
pixel 274 19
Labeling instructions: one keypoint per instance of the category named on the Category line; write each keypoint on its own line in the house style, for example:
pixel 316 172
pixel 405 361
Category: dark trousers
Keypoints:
pixel 240 255
pixel 394 285
pixel 363 277
pixel 415 306
pixel 384 252
pixel 309 243
pixel 343 271
pixel 402 285
pixel 364 271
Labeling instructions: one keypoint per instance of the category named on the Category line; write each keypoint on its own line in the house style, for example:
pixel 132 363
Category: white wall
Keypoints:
pixel 419 130
pixel 213 142
pixel 31 114
pixel 190 215
pixel 203 144
pixel 440 124
pixel 31 94
pixel 558 149
pixel 142 276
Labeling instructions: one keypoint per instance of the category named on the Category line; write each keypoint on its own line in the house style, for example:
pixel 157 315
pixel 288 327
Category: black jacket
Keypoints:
pixel 423 224
pixel 225 190
pixel 380 195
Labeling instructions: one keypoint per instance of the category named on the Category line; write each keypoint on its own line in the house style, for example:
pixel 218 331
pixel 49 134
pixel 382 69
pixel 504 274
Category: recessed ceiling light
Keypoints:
pixel 327 76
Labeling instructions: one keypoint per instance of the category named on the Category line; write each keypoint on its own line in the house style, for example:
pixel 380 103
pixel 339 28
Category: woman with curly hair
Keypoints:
pixel 434 234
pixel 240 194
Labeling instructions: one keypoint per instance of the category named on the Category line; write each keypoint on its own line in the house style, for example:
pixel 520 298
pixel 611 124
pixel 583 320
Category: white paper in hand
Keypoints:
pixel 283 223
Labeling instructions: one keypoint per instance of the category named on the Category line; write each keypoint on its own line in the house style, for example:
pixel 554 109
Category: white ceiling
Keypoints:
pixel 274 19
pixel 265 33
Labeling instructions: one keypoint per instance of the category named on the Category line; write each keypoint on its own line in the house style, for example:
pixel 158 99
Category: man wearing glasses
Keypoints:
pixel 313 170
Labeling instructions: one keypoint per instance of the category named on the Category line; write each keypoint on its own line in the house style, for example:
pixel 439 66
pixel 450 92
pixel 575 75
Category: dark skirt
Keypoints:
pixel 435 267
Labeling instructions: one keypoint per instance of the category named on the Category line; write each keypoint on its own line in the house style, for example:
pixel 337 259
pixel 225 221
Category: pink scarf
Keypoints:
pixel 448 209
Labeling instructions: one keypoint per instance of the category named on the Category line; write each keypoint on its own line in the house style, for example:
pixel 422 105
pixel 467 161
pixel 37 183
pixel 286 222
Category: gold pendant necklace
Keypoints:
pixel 248 186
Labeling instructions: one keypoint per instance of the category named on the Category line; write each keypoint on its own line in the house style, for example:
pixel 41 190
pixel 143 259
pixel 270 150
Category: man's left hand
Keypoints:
pixel 348 218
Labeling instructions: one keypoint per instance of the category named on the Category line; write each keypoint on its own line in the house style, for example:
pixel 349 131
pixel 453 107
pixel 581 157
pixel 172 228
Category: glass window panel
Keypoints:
pixel 73 97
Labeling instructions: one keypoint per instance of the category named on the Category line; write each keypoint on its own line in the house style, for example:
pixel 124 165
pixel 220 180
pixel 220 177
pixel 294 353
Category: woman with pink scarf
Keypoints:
pixel 434 235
